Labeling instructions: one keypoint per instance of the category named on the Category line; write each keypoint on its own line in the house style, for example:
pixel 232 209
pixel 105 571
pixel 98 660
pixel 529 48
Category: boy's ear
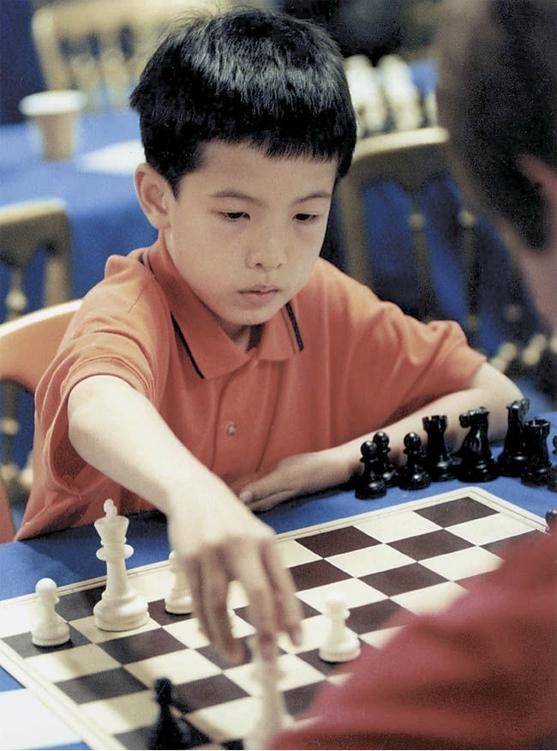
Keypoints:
pixel 154 195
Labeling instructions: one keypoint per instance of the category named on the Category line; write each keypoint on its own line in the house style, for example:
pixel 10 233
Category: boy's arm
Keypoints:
pixel 118 431
pixel 307 473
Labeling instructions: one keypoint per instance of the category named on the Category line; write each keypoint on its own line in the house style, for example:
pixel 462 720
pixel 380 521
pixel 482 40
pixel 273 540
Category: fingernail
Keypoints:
pixel 246 496
pixel 296 636
pixel 268 649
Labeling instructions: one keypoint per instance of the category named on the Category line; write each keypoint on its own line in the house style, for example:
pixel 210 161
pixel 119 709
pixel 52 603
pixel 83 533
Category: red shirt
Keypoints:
pixel 482 674
pixel 334 364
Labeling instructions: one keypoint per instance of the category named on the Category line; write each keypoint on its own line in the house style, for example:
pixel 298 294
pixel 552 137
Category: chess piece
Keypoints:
pixel 438 460
pixel 341 644
pixel 550 519
pixel 385 467
pixel 50 629
pixel 273 715
pixel 413 475
pixel 169 731
pixel 512 459
pixel 370 483
pixel 178 601
pixel 554 441
pixel 401 93
pixel 537 468
pixel 120 607
pixel 476 463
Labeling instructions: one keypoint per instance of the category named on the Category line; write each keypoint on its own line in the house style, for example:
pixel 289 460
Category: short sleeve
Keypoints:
pixel 129 342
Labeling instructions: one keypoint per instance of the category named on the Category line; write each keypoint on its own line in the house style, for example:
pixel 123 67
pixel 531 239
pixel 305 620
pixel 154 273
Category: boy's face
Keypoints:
pixel 246 230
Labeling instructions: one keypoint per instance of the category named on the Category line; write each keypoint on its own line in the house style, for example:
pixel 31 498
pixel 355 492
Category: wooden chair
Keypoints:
pixel 101 46
pixel 27 230
pixel 27 346
pixel 410 160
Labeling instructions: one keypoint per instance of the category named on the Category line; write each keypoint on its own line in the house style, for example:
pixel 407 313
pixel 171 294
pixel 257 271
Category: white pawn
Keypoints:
pixel 178 600
pixel 50 629
pixel 341 644
pixel 121 608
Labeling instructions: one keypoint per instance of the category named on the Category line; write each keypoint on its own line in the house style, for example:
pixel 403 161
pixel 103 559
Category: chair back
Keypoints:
pixel 101 46
pixel 27 346
pixel 25 230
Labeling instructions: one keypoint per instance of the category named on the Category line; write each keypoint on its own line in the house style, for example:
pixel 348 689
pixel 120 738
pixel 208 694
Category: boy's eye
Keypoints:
pixel 234 216
pixel 307 218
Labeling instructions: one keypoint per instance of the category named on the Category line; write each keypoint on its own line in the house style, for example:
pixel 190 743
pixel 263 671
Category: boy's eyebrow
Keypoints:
pixel 231 193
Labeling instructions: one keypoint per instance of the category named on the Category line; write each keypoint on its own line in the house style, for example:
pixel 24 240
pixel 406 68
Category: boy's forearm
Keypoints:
pixel 118 431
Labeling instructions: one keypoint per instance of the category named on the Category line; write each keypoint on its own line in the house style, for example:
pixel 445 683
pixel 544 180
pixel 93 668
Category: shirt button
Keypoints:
pixel 231 428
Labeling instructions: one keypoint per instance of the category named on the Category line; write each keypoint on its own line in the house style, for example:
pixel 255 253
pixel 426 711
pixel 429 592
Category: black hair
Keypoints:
pixel 245 75
pixel 498 98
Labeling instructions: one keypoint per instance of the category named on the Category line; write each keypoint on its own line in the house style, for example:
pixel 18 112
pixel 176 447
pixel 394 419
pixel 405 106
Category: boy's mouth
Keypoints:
pixel 259 294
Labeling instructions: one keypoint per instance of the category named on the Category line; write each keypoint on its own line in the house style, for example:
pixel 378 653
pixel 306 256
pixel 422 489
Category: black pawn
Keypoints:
pixel 551 519
pixel 413 475
pixel 476 463
pixel 387 468
pixel 513 458
pixel 537 469
pixel 438 459
pixel 169 732
pixel 370 484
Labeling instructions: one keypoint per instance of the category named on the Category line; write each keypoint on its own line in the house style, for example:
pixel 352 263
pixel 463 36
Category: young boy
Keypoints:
pixel 226 368
pixel 482 674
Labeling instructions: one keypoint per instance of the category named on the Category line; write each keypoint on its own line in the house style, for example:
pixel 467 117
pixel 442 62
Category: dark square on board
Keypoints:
pixel 337 541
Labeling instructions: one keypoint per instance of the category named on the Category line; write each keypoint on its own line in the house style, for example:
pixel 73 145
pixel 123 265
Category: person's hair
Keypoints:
pixel 497 97
pixel 244 76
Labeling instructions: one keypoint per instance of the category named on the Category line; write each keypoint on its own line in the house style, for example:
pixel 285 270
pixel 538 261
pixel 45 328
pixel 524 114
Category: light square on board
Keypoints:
pixel 490 529
pixel 431 599
pixel 396 526
pixel 368 561
pixel 216 721
pixel 123 713
pixel 87 627
pixel 63 665
pixel 463 563
pixel 294 672
pixel 354 591
pixel 314 630
pixel 294 554
pixel 179 667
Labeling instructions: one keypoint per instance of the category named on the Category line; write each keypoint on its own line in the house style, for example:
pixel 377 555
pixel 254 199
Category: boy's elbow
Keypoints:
pixel 495 385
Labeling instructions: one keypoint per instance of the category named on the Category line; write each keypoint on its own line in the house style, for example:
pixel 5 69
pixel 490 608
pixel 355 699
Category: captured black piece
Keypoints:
pixel 537 468
pixel 387 468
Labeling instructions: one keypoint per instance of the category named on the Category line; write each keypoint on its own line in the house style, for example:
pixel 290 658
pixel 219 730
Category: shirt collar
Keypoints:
pixel 212 352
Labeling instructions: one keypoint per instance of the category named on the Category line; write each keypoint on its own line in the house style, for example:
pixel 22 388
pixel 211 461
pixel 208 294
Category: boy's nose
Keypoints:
pixel 269 254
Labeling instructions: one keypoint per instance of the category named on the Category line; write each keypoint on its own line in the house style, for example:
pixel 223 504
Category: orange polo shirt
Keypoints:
pixel 333 364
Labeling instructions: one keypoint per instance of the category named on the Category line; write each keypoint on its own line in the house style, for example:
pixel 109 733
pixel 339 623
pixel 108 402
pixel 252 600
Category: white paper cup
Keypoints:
pixel 54 114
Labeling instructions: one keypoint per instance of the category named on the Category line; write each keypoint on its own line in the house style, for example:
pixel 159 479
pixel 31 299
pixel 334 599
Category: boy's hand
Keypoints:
pixel 296 475
pixel 218 541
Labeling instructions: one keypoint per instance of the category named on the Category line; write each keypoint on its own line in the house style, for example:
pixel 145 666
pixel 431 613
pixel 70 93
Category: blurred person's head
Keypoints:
pixel 498 99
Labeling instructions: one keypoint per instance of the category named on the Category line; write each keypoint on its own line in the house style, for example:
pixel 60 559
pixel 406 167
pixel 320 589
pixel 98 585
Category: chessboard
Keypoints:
pixel 411 558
